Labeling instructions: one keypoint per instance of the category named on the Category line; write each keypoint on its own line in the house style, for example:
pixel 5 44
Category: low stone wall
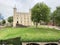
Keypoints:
pixel 40 43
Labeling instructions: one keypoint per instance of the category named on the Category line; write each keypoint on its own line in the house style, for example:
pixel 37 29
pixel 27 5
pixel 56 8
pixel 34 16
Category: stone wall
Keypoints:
pixel 40 43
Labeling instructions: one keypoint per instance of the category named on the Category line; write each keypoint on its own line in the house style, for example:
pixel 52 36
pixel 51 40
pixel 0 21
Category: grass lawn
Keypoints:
pixel 30 34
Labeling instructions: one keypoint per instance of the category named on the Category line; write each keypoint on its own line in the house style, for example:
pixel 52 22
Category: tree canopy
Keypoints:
pixel 40 12
pixel 10 19
pixel 56 16
pixel 3 22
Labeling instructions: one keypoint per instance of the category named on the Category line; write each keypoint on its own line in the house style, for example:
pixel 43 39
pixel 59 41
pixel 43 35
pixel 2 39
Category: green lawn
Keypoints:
pixel 30 34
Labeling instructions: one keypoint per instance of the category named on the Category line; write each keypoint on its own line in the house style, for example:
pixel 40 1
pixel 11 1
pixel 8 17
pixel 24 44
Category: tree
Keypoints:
pixel 56 16
pixel 53 15
pixel 40 12
pixel 10 19
pixel 3 22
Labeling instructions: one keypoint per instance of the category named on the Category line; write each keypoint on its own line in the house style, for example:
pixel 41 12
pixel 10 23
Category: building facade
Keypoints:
pixel 22 18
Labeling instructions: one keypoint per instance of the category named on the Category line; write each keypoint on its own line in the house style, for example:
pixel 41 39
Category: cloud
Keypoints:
pixel 52 4
pixel 6 6
pixel 8 2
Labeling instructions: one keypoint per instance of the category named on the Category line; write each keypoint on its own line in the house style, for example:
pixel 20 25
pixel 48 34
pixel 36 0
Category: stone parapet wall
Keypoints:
pixel 40 43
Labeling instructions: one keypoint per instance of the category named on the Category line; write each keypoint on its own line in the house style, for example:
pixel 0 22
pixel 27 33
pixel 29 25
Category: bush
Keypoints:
pixel 3 22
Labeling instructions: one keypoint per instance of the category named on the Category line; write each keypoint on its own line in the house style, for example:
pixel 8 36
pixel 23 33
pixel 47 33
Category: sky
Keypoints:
pixel 6 6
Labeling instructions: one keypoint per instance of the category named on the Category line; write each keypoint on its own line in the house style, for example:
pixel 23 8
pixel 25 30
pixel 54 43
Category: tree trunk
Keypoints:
pixel 36 24
pixel 53 22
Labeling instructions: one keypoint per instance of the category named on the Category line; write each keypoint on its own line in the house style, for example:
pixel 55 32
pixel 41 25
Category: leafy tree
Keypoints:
pixel 56 16
pixel 53 15
pixel 3 22
pixel 40 12
pixel 10 19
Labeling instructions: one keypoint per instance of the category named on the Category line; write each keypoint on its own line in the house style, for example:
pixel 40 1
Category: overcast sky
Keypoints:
pixel 6 6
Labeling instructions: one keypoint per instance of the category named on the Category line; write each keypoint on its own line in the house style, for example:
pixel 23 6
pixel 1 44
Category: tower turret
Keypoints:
pixel 14 16
pixel 30 12
pixel 15 9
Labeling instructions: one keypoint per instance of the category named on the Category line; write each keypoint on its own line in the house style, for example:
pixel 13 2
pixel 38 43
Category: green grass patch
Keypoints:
pixel 30 34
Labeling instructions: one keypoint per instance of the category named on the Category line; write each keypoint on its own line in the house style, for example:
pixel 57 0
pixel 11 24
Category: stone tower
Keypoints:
pixel 14 16
pixel 21 18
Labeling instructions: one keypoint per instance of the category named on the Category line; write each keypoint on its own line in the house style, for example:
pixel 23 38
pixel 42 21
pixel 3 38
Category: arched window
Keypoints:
pixel 32 44
pixel 51 44
pixel 17 18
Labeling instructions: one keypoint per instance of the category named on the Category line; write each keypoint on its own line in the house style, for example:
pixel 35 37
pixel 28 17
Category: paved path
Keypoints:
pixel 2 26
pixel 48 26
